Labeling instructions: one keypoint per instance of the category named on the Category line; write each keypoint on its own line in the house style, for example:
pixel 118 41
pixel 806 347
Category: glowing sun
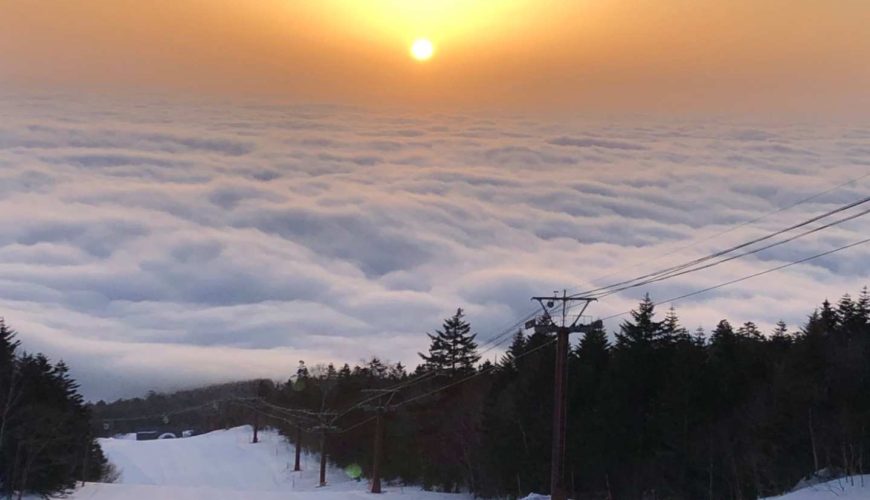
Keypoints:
pixel 422 49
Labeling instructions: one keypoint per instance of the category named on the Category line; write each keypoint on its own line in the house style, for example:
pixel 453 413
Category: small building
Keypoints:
pixel 147 435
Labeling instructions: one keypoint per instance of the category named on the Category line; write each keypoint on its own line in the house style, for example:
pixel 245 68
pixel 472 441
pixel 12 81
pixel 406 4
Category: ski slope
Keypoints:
pixel 225 465
pixel 847 488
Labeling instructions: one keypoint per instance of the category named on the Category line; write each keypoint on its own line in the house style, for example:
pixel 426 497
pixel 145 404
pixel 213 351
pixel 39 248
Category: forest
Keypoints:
pixel 46 438
pixel 655 411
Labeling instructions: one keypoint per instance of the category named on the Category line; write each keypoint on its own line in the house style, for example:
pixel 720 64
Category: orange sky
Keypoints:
pixel 768 56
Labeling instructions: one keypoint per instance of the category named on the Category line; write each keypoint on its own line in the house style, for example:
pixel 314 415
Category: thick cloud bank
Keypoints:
pixel 158 245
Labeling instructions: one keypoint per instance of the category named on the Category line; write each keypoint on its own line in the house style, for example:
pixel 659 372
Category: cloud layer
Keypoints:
pixel 157 244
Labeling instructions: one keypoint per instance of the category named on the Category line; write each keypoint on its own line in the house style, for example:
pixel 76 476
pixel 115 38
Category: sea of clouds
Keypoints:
pixel 157 244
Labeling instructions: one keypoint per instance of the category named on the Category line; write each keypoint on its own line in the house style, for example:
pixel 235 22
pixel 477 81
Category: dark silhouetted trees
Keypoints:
pixel 654 411
pixel 46 443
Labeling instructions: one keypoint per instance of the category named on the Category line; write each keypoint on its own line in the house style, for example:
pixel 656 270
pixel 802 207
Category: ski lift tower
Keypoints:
pixel 561 306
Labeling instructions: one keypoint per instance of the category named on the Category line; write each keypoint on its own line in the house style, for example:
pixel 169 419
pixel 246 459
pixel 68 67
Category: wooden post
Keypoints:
pixel 322 457
pixel 298 447
pixel 379 451
pixel 380 409
pixel 85 462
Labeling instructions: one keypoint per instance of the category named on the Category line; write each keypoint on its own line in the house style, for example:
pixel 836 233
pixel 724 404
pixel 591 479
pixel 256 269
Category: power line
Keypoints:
pixel 359 404
pixel 728 250
pixel 750 276
pixel 469 377
pixel 552 341
pixel 738 226
pixel 271 415
pixel 495 341
pixel 733 257
pixel 697 292
pixel 158 416
pixel 290 411
pixel 673 271
pixel 354 426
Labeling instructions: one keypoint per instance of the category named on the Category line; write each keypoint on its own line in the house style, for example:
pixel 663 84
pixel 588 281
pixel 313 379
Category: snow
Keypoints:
pixel 93 491
pixel 225 465
pixel 847 488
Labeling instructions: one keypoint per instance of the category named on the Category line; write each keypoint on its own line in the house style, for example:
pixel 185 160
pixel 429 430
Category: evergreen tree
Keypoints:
pixel 862 307
pixel 828 318
pixel 517 347
pixel 661 414
pixel 671 330
pixel 46 442
pixel 589 428
pixel 749 331
pixel 780 338
pixel 593 349
pixel 8 346
pixel 642 330
pixel 639 371
pixel 10 383
pixel 397 372
pixel 780 331
pixel 453 350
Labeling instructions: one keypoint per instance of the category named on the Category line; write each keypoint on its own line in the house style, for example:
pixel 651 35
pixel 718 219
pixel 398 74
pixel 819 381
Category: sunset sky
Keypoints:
pixel 688 56
pixel 195 191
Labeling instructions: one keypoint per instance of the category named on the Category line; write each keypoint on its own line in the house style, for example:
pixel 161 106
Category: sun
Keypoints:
pixel 422 49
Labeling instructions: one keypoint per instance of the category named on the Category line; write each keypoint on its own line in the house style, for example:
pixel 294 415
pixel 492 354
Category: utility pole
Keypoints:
pixel 560 382
pixel 380 409
pixel 324 427
pixel 322 456
pixel 298 447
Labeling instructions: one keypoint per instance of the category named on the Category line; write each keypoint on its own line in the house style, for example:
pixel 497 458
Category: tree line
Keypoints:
pixel 198 410
pixel 655 411
pixel 46 441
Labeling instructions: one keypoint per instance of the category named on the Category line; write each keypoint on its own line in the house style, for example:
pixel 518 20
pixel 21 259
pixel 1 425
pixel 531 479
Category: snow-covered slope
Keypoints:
pixel 225 465
pixel 849 488
pixel 220 459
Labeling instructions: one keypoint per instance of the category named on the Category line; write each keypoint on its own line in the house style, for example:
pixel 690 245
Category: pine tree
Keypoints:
pixel 47 443
pixel 828 317
pixel 780 339
pixel 723 334
pixel 397 372
pixel 453 350
pixel 642 330
pixel 8 346
pixel 9 391
pixel 593 347
pixel 376 369
pixel 671 330
pixel 750 331
pixel 862 307
pixel 517 347
pixel 700 337
pixel 781 330
pixel 852 314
